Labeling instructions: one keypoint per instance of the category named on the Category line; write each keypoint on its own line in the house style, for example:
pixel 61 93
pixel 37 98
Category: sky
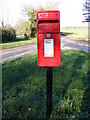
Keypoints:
pixel 11 11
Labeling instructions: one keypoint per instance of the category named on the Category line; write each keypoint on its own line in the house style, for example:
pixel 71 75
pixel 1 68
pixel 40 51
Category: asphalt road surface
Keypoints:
pixel 66 43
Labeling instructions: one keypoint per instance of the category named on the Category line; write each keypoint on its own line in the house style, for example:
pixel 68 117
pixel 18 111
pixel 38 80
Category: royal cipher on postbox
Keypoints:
pixel 48 38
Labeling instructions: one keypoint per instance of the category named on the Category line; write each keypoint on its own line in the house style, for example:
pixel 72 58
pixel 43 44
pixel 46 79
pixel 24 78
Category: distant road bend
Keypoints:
pixel 67 43
pixel 31 49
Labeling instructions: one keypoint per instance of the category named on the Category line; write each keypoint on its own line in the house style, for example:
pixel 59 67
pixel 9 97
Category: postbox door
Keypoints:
pixel 54 58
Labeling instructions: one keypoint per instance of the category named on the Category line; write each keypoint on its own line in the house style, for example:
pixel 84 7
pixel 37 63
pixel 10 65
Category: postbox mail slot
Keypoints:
pixel 48 21
pixel 52 27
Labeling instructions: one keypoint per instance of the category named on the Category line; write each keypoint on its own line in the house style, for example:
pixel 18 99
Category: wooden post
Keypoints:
pixel 49 79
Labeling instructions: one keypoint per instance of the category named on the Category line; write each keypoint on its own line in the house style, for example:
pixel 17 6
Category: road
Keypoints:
pixel 31 49
pixel 17 52
pixel 67 43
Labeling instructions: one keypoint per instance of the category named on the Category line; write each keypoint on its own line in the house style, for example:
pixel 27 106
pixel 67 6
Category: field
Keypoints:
pixel 24 88
pixel 20 41
pixel 76 33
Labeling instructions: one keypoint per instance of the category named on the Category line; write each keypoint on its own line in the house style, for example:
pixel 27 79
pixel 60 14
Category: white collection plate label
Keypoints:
pixel 48 48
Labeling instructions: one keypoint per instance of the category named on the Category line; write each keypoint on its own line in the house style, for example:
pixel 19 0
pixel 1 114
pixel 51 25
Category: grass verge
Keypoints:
pixel 24 88
pixel 76 33
pixel 18 42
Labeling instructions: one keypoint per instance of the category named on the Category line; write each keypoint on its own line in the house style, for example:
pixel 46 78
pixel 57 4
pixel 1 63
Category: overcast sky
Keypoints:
pixel 70 10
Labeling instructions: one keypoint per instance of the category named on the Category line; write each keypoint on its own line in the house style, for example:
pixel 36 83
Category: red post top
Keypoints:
pixel 48 15
pixel 48 21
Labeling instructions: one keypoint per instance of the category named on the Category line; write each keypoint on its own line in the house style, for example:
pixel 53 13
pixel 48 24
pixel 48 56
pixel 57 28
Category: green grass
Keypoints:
pixel 24 87
pixel 77 33
pixel 20 41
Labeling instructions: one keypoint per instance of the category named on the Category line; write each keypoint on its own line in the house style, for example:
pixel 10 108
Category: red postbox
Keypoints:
pixel 48 38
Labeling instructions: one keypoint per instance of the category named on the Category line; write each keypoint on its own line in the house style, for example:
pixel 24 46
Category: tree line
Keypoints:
pixel 27 28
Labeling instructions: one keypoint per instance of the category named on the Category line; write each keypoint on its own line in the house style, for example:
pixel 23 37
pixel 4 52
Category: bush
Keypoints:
pixel 26 36
pixel 33 25
pixel 8 34
pixel 31 12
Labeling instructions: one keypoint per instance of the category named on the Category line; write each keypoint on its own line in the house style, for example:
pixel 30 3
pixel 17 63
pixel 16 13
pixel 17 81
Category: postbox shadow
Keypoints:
pixel 62 94
pixel 84 113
